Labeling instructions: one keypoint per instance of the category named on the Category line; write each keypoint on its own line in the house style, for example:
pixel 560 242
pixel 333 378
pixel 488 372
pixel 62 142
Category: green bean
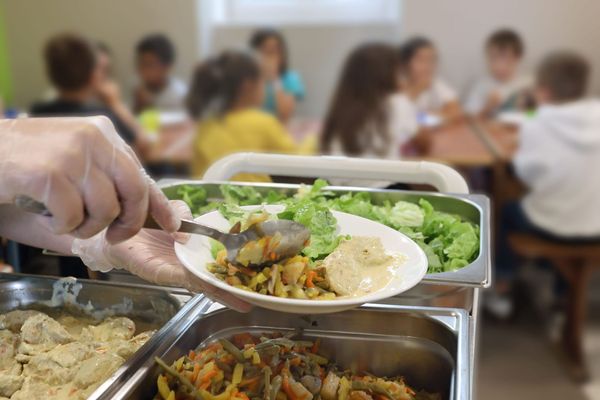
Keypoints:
pixel 275 386
pixel 277 341
pixel 223 366
pixel 304 343
pixel 233 350
pixel 267 389
pixel 317 358
pixel 371 386
pixel 189 385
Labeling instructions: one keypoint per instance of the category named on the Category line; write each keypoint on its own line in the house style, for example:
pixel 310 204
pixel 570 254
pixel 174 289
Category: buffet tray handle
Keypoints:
pixel 442 177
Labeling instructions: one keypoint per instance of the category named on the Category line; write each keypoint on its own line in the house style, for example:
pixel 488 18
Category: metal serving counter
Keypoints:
pixel 429 346
pixel 458 289
pixel 427 334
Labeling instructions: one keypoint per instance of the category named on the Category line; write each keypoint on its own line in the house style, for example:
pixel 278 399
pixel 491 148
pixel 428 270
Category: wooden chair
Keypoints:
pixel 575 262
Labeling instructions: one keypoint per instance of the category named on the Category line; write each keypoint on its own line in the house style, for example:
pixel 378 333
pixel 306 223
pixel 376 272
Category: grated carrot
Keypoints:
pixel 310 275
pixel 195 372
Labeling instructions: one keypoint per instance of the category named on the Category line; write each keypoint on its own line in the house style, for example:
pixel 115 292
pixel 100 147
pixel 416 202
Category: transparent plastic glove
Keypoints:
pixel 150 255
pixel 84 173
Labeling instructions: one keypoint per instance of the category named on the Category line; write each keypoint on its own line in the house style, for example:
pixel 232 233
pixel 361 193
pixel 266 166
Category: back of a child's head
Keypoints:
pixel 218 82
pixel 564 75
pixel 158 45
pixel 369 75
pixel 506 40
pixel 70 61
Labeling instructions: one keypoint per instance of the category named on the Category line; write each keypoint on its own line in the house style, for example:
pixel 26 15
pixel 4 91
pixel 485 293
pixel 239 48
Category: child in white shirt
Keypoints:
pixel 559 151
pixel 557 159
pixel 429 94
pixel 503 87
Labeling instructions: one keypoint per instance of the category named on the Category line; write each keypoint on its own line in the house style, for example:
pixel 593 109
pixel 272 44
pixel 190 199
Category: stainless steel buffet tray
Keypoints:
pixel 474 208
pixel 429 346
pixel 145 304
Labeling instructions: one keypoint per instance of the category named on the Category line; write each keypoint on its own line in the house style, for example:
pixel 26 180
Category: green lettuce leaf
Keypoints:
pixel 241 195
pixel 194 196
pixel 319 220
pixel 234 213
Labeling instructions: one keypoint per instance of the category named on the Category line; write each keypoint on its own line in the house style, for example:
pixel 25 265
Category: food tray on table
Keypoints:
pixel 428 346
pixel 150 307
pixel 472 208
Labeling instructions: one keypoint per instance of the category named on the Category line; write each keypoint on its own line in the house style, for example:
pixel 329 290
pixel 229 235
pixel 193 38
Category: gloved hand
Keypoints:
pixel 151 256
pixel 84 173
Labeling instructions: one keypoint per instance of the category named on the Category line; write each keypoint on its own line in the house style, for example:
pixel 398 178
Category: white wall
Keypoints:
pixel 118 23
pixel 459 27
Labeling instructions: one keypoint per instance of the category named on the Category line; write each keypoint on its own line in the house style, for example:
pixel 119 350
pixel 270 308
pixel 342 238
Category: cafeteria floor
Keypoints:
pixel 516 360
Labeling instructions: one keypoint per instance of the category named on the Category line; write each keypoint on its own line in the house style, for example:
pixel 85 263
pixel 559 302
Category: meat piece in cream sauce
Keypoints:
pixel 65 357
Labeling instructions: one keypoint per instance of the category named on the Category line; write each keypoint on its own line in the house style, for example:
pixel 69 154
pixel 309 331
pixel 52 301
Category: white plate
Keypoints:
pixel 195 255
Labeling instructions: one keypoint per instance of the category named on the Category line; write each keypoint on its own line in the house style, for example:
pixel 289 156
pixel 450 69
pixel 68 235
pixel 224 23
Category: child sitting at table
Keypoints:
pixel 225 97
pixel 157 88
pixel 283 86
pixel 433 98
pixel 369 117
pixel 504 86
pixel 77 73
pixel 559 150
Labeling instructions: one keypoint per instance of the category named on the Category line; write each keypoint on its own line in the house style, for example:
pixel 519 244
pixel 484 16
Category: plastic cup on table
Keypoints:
pixel 150 122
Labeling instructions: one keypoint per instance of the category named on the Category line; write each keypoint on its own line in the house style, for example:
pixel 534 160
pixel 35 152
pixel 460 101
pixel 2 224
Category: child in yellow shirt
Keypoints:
pixel 225 98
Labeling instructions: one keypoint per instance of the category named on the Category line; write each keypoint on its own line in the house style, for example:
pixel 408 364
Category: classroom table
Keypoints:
pixel 456 144
pixel 465 144
pixel 171 150
pixel 501 139
pixel 172 143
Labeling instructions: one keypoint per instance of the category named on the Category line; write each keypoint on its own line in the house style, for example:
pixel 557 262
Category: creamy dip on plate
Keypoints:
pixel 360 266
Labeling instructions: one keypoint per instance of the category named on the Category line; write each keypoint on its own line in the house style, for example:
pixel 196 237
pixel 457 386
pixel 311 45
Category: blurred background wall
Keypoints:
pixel 119 24
pixel 456 26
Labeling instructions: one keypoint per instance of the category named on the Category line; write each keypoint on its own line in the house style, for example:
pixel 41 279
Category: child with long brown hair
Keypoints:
pixel 369 117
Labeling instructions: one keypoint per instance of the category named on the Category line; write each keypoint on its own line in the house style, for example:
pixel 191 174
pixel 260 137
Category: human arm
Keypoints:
pixel 285 103
pixel 142 99
pixel 450 109
pixel 149 254
pixel 110 94
pixel 492 102
pixel 529 160
pixel 83 172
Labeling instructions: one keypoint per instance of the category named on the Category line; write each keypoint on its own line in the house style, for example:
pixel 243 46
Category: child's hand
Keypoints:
pixel 494 100
pixel 109 92
pixel 143 98
pixel 270 68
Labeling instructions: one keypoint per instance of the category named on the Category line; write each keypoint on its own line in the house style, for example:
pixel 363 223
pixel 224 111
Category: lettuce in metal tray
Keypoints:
pixel 449 241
